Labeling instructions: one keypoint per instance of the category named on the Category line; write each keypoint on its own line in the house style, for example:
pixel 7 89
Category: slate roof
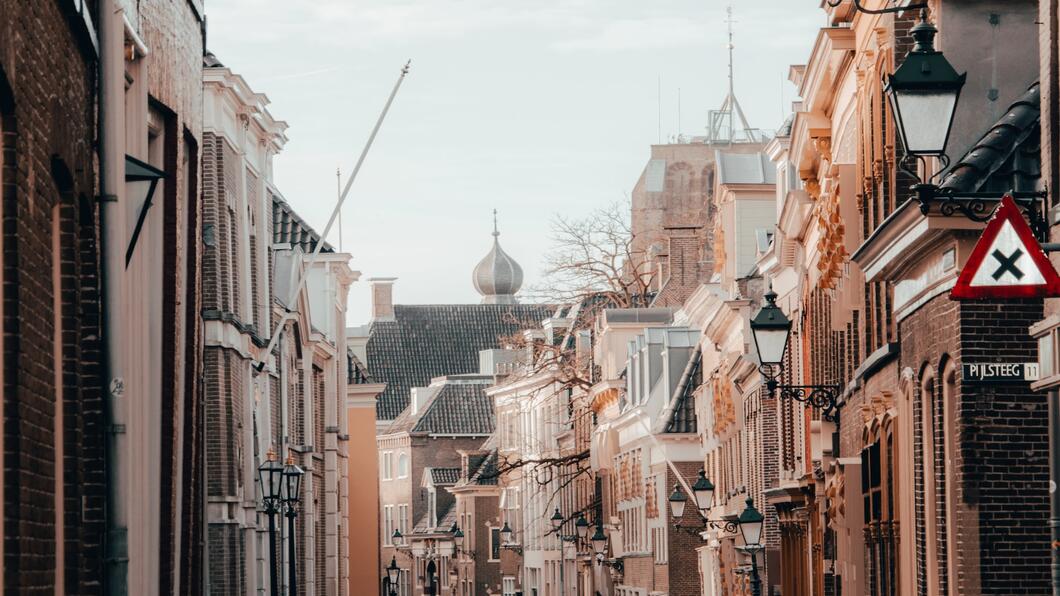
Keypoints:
pixel 427 341
pixel 486 472
pixel 289 228
pixel 444 476
pixel 1007 157
pixel 447 520
pixel 458 406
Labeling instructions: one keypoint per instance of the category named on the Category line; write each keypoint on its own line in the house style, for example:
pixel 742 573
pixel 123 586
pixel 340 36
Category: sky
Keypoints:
pixel 533 109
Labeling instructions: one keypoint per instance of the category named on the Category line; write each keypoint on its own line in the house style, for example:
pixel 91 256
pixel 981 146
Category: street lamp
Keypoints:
pixel 703 491
pixel 292 475
pixel 923 93
pixel 599 541
pixel 270 475
pixel 398 539
pixel 581 526
pixel 751 522
pixel 771 330
pixel 506 533
pixel 393 575
pixel 556 519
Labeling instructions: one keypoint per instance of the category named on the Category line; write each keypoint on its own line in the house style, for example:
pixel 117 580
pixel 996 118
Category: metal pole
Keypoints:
pixel 274 581
pixel 562 556
pixel 334 213
pixel 756 582
pixel 1054 480
pixel 292 578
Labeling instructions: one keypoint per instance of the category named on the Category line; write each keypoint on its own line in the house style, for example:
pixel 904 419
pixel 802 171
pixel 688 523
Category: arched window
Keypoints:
pixel 879 473
pixel 928 515
pixel 949 442
pixel 403 465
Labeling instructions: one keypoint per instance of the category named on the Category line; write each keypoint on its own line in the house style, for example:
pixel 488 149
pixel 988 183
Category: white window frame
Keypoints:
pixel 402 470
pixel 508 585
pixel 388 525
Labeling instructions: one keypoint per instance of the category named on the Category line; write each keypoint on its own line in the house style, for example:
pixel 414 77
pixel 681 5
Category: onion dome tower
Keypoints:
pixel 497 277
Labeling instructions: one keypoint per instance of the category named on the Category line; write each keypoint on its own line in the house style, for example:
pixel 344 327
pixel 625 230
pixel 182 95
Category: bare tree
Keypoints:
pixel 591 266
pixel 592 258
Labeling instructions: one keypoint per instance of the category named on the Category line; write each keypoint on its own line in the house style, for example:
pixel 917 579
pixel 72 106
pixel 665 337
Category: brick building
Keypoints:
pixel 254 249
pixel 83 291
pixel 428 357
pixel 52 436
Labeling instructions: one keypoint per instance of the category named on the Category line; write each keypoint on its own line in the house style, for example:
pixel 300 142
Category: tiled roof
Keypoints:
pixel 444 476
pixel 486 472
pixel 1007 157
pixel 448 518
pixel 289 228
pixel 429 341
pixel 456 405
pixel 458 409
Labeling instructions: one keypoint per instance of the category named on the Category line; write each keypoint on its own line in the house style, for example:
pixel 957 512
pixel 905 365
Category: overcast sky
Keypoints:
pixel 532 108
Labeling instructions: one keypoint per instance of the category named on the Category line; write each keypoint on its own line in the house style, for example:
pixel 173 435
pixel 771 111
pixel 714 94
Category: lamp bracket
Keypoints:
pixel 890 9
pixel 823 397
pixel 979 206
pixel 722 525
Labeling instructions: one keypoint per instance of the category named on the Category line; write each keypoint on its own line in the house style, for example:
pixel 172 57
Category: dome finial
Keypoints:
pixel 497 277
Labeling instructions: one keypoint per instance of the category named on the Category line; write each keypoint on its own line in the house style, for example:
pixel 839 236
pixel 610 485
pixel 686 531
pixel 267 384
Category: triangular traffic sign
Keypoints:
pixel 1007 261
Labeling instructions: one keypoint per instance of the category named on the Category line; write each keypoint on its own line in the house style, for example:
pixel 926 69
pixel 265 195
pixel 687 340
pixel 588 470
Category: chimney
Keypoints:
pixel 382 298
pixel 420 396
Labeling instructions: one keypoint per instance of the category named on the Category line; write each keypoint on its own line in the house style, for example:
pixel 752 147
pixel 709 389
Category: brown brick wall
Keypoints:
pixel 1001 464
pixel 47 121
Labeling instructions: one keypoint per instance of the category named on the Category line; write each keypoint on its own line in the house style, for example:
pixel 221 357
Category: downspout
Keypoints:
pixel 112 220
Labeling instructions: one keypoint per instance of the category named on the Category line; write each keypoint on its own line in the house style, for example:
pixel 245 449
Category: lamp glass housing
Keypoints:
pixel 292 475
pixel 678 499
pixel 599 541
pixel 751 524
pixel 582 526
pixel 458 538
pixel 398 539
pixel 557 519
pixel 270 474
pixel 703 491
pixel 924 118
pixel 506 533
pixel 771 329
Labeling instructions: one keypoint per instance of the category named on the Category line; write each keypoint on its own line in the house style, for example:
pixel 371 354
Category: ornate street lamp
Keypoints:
pixel 506 533
pixel 703 490
pixel 292 476
pixel 393 575
pixel 751 524
pixel 556 519
pixel 923 93
pixel 599 541
pixel 270 477
pixel 771 330
pixel 581 526
pixel 397 538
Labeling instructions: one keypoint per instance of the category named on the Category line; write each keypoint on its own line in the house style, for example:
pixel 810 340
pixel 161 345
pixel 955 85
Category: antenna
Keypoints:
pixel 338 194
pixel 679 114
pixel 723 121
pixel 660 108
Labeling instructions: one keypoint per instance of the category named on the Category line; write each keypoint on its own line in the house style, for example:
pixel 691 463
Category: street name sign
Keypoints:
pixel 1000 372
pixel 1007 261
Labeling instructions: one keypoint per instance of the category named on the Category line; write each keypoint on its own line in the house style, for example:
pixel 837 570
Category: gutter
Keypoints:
pixel 112 224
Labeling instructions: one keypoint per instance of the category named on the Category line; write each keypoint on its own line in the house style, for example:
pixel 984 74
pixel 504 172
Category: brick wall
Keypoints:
pixel 47 159
pixel 1001 459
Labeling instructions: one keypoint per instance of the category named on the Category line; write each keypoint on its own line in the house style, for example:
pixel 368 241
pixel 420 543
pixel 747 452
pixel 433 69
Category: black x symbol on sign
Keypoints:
pixel 1007 263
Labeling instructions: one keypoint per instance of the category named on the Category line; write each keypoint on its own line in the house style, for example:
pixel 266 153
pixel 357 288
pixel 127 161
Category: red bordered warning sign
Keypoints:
pixel 1007 262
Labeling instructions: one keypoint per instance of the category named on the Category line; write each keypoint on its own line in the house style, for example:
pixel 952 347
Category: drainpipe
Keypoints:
pixel 1054 478
pixel 112 225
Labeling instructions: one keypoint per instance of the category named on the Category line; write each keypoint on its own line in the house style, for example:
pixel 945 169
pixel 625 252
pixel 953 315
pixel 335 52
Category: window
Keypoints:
pixel 402 522
pixel 386 465
pixel 878 476
pixel 402 465
pixel 388 525
pixel 927 454
pixel 432 507
pixel 495 544
pixel 508 586
pixel 949 452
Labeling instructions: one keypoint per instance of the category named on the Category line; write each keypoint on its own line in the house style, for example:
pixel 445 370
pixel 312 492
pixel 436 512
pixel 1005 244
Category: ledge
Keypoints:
pixel 887 253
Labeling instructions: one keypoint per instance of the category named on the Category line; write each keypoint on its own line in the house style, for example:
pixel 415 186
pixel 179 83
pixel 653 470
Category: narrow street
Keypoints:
pixel 578 298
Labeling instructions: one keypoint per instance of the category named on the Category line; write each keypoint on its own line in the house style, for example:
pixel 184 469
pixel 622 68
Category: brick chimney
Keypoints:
pixel 382 298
